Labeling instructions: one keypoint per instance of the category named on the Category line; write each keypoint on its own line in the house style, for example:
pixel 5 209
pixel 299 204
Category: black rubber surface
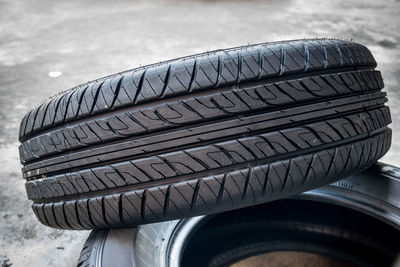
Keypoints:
pixel 292 225
pixel 342 230
pixel 89 254
pixel 204 134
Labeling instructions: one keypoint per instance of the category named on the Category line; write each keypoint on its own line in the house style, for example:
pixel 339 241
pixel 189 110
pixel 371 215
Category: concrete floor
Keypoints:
pixel 39 40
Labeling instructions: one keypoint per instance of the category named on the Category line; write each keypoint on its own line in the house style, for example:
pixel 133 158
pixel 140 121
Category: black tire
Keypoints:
pixel 90 250
pixel 352 238
pixel 102 241
pixel 355 220
pixel 203 134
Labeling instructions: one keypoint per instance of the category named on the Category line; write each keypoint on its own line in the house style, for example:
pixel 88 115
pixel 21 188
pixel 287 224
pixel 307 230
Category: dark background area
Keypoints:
pixel 49 46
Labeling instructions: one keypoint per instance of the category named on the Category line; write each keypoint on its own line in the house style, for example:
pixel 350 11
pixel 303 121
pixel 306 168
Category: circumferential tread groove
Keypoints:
pixel 31 168
pixel 331 43
pixel 204 134
pixel 348 168
pixel 53 144
pixel 225 149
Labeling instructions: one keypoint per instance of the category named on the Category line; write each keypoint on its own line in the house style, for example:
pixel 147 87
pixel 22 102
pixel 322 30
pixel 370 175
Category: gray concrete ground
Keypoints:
pixel 86 40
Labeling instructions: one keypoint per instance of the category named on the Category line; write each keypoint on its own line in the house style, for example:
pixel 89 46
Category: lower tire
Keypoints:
pixel 346 220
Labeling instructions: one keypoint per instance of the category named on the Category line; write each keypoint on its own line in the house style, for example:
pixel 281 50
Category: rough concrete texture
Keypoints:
pixel 39 40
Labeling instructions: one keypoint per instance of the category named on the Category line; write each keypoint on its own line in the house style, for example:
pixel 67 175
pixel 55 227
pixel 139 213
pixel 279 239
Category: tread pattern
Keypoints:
pixel 218 192
pixel 204 159
pixel 195 73
pixel 193 136
pixel 203 134
pixel 196 109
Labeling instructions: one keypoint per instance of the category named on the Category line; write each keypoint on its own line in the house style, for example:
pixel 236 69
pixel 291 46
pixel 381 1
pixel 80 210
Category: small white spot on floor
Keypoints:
pixel 55 74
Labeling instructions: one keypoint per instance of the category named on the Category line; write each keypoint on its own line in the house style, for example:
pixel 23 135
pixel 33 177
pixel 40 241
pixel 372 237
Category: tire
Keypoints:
pixel 120 242
pixel 329 219
pixel 292 225
pixel 204 134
